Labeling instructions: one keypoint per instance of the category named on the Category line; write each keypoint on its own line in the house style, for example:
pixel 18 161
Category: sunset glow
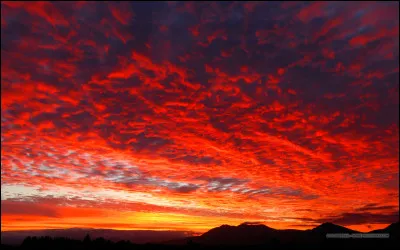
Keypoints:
pixel 186 116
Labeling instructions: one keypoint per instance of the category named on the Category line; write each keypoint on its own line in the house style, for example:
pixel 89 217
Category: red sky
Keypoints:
pixel 186 116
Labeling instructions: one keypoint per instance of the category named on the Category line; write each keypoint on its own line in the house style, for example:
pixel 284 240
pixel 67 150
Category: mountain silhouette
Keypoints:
pixel 262 235
pixel 247 234
pixel 238 235
pixel 328 227
pixel 393 229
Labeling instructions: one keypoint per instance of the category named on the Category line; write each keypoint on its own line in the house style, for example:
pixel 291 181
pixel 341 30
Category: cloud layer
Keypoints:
pixel 199 113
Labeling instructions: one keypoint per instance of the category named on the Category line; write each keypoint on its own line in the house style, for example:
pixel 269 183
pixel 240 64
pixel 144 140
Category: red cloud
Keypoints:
pixel 102 109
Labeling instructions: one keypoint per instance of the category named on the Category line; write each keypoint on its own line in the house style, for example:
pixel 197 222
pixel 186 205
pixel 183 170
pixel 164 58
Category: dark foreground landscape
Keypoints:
pixel 244 236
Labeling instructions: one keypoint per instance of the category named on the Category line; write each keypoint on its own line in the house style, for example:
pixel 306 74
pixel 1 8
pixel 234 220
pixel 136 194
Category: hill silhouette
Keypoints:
pixel 261 235
pixel 244 236
pixel 240 235
pixel 328 227
pixel 392 229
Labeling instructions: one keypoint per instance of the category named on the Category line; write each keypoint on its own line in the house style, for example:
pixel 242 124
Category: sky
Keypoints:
pixel 190 115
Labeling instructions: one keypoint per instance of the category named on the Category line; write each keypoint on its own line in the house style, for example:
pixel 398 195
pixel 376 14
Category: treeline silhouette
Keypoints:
pixel 46 242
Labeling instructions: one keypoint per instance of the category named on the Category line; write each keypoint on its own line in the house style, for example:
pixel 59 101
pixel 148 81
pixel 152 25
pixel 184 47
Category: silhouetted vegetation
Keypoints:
pixel 41 243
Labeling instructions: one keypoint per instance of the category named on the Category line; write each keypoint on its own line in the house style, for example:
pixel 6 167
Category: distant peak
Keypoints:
pixel 251 224
pixel 327 224
pixel 395 224
pixel 330 227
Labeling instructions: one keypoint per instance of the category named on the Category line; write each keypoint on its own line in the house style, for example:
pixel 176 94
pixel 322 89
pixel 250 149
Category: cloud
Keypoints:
pixel 244 107
pixel 355 218
pixel 374 207
pixel 363 218
pixel 22 209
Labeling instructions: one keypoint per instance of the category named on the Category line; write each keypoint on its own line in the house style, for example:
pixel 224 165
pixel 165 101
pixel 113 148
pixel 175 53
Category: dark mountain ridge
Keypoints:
pixel 249 234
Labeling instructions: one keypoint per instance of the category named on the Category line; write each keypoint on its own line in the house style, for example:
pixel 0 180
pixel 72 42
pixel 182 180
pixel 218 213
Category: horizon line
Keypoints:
pixel 191 231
